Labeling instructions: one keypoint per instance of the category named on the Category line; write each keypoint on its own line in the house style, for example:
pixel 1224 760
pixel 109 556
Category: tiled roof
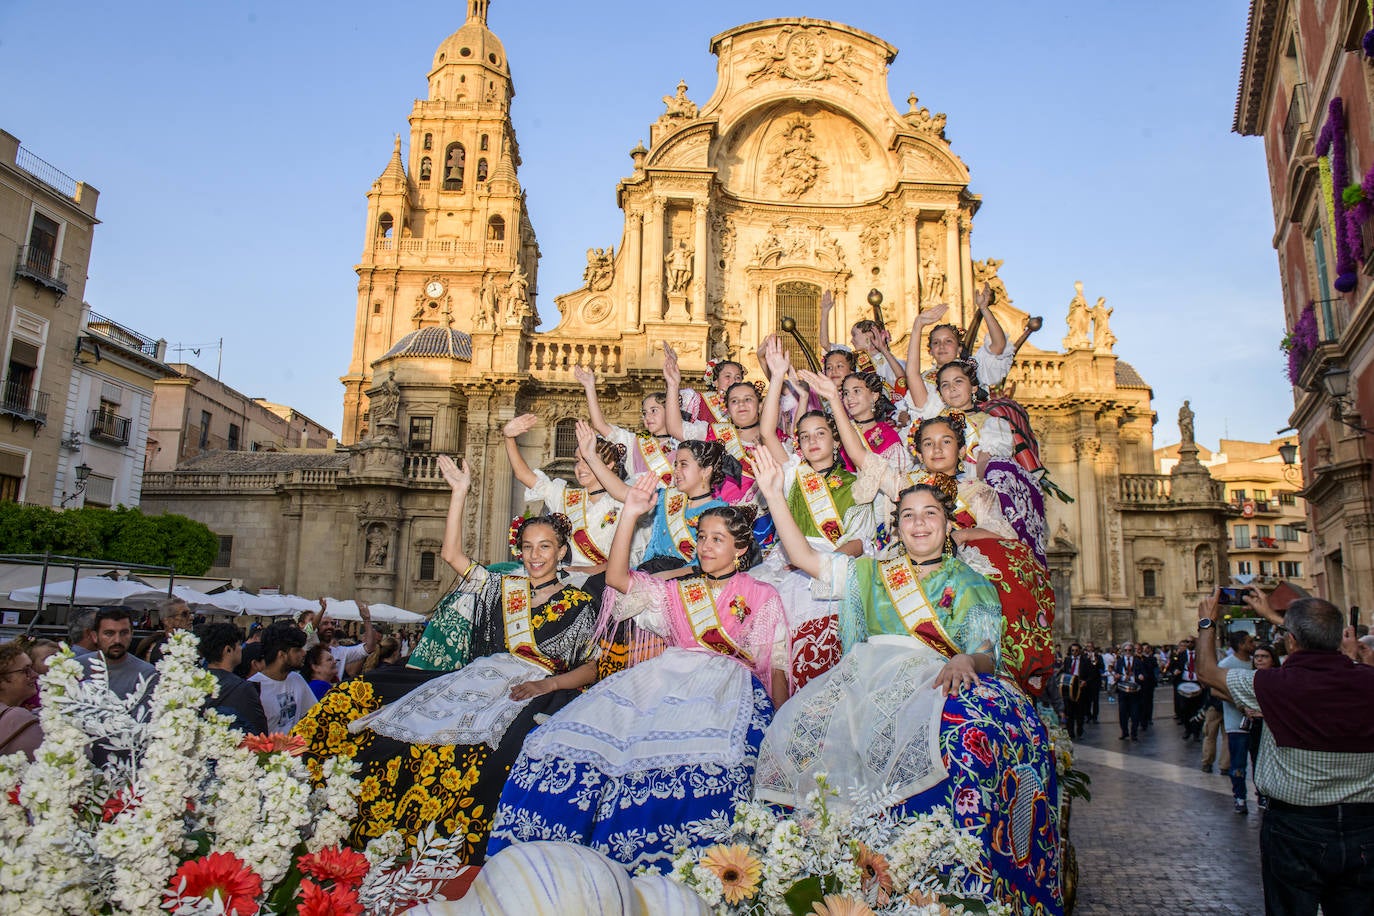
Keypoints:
pixel 262 462
pixel 1128 377
pixel 432 342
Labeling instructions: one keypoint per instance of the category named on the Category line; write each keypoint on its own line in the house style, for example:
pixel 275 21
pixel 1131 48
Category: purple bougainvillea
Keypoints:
pixel 1301 342
pixel 1348 241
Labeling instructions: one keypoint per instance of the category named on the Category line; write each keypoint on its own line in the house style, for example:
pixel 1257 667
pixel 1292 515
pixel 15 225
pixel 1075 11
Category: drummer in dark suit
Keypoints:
pixel 1130 684
pixel 1073 683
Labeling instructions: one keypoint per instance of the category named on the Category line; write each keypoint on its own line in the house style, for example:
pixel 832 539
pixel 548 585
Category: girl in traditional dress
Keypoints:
pixel 649 451
pixel 656 757
pixel 711 403
pixel 993 358
pixel 590 510
pixel 739 432
pixel 868 407
pixel 913 710
pixel 986 437
pixel 437 749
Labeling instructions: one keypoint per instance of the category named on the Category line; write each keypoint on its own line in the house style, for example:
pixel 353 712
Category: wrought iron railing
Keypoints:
pixel 110 427
pixel 47 173
pixel 38 264
pixel 19 399
pixel 122 335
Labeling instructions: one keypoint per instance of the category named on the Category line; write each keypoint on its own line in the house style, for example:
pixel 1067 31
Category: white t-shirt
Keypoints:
pixel 345 654
pixel 286 701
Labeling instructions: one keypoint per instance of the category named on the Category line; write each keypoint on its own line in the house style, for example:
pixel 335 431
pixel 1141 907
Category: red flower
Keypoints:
pixel 976 743
pixel 14 796
pixel 947 597
pixel 274 743
pixel 344 866
pixel 118 803
pixel 316 901
pixel 219 875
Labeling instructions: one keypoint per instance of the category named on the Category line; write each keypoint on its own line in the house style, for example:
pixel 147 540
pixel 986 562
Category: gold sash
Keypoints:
pixel 517 606
pixel 575 507
pixel 815 490
pixel 715 406
pixel 654 458
pixel 727 435
pixel 699 601
pixel 675 509
pixel 903 586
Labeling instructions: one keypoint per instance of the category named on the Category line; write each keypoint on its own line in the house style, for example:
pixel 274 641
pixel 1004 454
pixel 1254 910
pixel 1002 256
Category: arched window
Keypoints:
pixel 429 141
pixel 385 224
pixel 496 229
pixel 481 170
pixel 565 439
pixel 427 565
pixel 425 167
pixel 455 161
pixel 484 143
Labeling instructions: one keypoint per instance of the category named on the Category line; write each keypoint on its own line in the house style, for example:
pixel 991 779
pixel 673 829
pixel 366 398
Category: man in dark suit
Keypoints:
pixel 1130 683
pixel 1095 674
pixel 1073 682
pixel 1150 663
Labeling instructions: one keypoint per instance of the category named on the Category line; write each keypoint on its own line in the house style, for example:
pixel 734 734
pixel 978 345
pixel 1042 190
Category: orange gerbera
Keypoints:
pixel 876 873
pixel 737 870
pixel 836 905
pixel 221 875
pixel 333 863
pixel 275 743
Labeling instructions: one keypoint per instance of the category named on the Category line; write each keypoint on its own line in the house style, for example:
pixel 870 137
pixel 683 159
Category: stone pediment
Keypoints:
pixel 688 148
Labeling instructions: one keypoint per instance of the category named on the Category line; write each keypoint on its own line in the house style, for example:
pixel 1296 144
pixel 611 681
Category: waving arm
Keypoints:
pixel 512 431
pixel 639 500
pixel 586 450
pixel 459 480
pixel 768 475
pixel 587 378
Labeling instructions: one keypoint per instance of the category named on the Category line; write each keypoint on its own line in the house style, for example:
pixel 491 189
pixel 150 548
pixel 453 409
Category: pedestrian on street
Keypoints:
pixel 1149 665
pixel 1073 684
pixel 1233 720
pixel 1094 678
pixel 1109 673
pixel 1316 762
pixel 1130 680
pixel 1262 658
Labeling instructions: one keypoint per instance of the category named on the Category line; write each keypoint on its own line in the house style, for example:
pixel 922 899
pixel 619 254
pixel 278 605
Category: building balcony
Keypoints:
pixel 39 266
pixel 125 337
pixel 110 428
pixel 21 403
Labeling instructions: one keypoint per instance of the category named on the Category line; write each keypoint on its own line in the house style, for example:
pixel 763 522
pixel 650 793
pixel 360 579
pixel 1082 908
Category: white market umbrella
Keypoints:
pixel 381 613
pixel 241 602
pixel 92 590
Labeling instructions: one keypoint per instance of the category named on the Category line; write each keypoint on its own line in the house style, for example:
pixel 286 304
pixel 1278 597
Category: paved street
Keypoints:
pixel 1160 836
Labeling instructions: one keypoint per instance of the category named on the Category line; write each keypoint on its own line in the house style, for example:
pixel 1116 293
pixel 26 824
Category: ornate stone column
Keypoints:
pixel 908 280
pixel 965 270
pixel 1086 449
pixel 699 234
pixel 634 269
pixel 953 276
pixel 652 273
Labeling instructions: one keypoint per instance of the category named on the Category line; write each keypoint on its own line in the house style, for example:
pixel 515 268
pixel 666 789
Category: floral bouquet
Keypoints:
pixel 148 805
pixel 859 861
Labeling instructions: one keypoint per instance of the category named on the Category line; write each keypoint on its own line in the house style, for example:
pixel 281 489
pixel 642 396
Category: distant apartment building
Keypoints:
pixel 194 413
pixel 1269 540
pixel 47 221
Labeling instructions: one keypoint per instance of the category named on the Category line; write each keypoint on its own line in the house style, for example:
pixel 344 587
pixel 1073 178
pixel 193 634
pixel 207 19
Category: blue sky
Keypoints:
pixel 233 145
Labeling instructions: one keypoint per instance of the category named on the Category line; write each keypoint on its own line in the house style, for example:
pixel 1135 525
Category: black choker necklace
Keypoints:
pixel 591 493
pixel 871 419
pixel 704 574
pixel 754 425
pixel 935 562
pixel 692 499
pixel 539 585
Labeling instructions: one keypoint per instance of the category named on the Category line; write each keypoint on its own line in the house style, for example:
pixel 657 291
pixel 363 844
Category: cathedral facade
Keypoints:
pixel 797 176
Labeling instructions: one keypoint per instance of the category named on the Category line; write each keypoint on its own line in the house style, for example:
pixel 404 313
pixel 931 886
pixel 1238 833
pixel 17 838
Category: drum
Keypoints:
pixel 1188 690
pixel 1190 696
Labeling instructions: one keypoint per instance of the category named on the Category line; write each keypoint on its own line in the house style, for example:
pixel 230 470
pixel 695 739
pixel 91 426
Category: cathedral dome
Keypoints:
pixel 432 342
pixel 474 43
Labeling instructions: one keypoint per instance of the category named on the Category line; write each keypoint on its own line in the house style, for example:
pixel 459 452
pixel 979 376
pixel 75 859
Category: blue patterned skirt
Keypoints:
pixel 646 763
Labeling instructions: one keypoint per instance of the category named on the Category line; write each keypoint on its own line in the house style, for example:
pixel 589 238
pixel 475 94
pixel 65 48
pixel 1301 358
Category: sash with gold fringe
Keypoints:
pixel 517 607
pixel 903 587
pixel 815 490
pixel 575 507
pixel 654 458
pixel 675 509
pixel 727 435
pixel 699 601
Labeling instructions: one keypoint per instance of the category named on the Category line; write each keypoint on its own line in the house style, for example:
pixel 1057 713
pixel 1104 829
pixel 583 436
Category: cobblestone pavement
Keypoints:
pixel 1160 836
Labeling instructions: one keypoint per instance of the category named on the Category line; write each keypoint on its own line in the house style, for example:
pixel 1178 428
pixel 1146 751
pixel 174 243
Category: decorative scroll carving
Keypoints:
pixel 798 242
pixel 804 55
pixel 919 117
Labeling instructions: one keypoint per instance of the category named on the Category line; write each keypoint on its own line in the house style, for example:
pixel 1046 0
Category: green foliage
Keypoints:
pixel 122 535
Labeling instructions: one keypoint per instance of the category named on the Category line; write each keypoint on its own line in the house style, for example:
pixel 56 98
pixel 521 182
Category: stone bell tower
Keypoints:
pixel 448 242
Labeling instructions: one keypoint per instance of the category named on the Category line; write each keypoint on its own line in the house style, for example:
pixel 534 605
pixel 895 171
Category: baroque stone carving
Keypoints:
pixel 873 241
pixel 596 310
pixel 679 106
pixel 600 269
pixel 919 117
pixel 1103 338
pixel 985 272
pixel 805 55
pixel 1185 425
pixel 678 262
pixel 1079 320
pixel 384 402
pixel 798 242
pixel 932 274
pixel 517 296
pixel 794 167
pixel 378 538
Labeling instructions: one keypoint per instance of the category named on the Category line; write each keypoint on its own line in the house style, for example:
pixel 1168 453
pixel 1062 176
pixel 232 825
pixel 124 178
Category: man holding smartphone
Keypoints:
pixel 1316 762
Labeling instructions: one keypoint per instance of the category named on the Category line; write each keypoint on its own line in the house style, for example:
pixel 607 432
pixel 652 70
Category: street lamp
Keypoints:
pixel 1336 381
pixel 1288 453
pixel 83 476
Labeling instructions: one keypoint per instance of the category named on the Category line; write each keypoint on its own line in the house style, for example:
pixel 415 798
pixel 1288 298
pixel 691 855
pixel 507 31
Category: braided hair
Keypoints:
pixel 559 523
pixel 739 521
pixel 612 454
pixel 883 408
pixel 723 465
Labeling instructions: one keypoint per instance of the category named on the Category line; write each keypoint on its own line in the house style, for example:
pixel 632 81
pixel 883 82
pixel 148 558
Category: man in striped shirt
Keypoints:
pixel 1316 760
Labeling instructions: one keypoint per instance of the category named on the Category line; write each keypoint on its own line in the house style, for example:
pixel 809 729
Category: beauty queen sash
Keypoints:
pixel 815 490
pixel 675 510
pixel 575 507
pixel 655 459
pixel 517 604
pixel 715 406
pixel 699 601
pixel 903 587
pixel 728 436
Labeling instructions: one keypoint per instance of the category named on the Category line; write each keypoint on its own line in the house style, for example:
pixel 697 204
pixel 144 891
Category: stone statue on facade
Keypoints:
pixel 483 314
pixel 1079 320
pixel 517 296
pixel 794 167
pixel 679 268
pixel 932 278
pixel 919 117
pixel 600 269
pixel 679 106
pixel 1185 426
pixel 385 402
pixel 376 544
pixel 1206 570
pixel 1103 338
pixel 985 274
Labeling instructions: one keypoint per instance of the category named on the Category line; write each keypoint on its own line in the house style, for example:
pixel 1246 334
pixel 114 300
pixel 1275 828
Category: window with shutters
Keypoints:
pixel 801 302
pixel 99 491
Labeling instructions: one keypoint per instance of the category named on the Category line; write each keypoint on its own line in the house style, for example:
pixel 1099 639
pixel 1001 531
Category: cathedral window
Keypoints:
pixel 429 141
pixel 481 170
pixel 801 302
pixel 427 566
pixel 421 433
pixel 496 229
pixel 376 308
pixel 385 224
pixel 565 439
pixel 454 163
pixel 1149 587
pixel 483 144
pixel 425 167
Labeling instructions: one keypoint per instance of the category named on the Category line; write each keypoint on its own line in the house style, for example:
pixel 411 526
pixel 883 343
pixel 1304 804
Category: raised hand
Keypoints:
pixel 931 315
pixel 983 298
pixel 671 372
pixel 640 498
pixel 768 474
pixel 519 426
pixel 585 377
pixel 774 356
pixel 827 301
pixel 455 474
pixel 820 384
pixel 586 437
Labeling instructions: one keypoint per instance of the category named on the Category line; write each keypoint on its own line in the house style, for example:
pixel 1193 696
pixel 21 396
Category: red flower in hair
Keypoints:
pixel 333 863
pixel 316 901
pixel 220 875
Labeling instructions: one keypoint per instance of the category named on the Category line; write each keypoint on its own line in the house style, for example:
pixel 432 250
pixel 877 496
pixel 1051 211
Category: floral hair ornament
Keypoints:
pixel 515 525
